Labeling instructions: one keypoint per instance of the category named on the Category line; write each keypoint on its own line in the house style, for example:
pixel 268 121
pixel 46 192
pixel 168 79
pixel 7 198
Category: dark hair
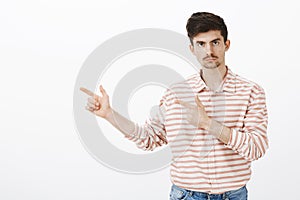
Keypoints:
pixel 202 22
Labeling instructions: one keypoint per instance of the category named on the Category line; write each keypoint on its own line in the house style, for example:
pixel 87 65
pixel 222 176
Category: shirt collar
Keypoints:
pixel 228 84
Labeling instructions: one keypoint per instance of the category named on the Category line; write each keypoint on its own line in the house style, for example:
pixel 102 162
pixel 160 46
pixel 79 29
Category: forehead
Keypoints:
pixel 208 36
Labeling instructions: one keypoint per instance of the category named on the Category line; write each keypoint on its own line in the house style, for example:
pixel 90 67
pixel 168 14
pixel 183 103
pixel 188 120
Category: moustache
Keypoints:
pixel 209 57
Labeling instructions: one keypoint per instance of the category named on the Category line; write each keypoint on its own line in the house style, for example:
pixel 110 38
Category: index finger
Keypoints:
pixel 88 92
pixel 183 103
pixel 198 102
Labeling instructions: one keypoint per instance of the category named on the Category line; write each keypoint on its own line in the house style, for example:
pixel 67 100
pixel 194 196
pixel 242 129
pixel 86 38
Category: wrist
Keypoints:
pixel 220 131
pixel 215 128
pixel 206 123
pixel 109 114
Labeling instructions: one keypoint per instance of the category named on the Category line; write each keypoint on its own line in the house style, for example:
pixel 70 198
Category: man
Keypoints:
pixel 215 121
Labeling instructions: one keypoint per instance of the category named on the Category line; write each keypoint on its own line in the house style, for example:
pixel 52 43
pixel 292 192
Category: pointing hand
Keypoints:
pixel 196 115
pixel 99 105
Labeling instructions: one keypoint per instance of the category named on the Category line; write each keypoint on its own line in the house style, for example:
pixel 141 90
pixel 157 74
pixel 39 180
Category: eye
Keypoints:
pixel 201 44
pixel 216 43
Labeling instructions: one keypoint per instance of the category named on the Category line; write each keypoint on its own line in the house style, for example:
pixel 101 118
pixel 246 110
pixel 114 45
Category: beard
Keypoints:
pixel 211 65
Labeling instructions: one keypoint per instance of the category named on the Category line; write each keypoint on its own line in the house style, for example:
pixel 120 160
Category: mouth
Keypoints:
pixel 210 59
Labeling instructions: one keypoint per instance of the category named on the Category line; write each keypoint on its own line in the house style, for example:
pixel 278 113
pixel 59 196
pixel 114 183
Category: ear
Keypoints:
pixel 227 45
pixel 192 49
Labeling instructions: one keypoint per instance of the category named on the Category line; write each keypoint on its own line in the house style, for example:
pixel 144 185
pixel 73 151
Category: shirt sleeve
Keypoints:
pixel 251 141
pixel 152 133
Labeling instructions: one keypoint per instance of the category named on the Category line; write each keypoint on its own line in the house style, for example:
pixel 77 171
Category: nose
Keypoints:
pixel 208 49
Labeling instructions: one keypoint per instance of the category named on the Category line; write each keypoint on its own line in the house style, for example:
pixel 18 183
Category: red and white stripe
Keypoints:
pixel 200 161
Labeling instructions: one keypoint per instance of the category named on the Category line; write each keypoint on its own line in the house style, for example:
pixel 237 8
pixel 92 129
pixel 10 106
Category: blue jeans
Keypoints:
pixel 178 193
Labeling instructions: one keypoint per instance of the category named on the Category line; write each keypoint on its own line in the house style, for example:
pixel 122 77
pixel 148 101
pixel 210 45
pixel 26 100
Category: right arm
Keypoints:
pixel 147 137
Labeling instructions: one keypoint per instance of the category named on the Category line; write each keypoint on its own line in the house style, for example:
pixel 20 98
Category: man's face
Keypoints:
pixel 209 48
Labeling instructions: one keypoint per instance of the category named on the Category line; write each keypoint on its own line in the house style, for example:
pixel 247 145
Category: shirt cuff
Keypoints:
pixel 232 143
pixel 136 133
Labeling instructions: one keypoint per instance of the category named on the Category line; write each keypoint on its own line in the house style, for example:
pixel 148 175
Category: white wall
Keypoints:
pixel 42 47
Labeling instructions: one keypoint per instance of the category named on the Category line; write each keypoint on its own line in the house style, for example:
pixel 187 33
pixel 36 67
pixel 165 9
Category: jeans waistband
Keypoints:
pixel 203 194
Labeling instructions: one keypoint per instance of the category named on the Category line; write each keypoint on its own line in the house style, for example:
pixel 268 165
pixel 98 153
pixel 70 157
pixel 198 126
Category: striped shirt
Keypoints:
pixel 200 161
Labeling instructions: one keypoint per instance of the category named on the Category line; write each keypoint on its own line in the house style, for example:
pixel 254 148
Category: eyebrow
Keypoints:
pixel 214 40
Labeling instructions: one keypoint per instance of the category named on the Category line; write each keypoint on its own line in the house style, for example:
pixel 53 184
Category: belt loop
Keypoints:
pixel 224 196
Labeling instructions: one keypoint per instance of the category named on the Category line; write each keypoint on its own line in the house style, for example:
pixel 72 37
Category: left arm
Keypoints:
pixel 251 141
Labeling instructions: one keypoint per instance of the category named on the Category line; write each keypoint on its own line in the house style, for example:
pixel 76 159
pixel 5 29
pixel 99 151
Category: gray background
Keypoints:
pixel 43 46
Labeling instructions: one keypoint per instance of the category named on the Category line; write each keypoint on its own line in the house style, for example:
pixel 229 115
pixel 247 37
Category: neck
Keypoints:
pixel 213 77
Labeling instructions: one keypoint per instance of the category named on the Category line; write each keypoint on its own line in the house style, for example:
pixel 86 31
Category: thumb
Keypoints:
pixel 198 102
pixel 103 92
